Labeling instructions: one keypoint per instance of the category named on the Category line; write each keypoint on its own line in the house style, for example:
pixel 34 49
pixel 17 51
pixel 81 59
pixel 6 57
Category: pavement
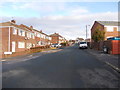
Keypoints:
pixel 28 56
pixel 109 59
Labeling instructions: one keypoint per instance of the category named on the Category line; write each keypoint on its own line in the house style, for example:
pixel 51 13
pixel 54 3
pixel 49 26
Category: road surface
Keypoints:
pixel 69 68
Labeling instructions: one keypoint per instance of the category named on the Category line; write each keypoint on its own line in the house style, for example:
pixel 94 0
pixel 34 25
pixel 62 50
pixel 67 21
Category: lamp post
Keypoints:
pixel 86 30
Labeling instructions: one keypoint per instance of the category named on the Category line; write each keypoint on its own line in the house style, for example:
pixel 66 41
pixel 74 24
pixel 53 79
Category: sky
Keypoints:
pixel 68 18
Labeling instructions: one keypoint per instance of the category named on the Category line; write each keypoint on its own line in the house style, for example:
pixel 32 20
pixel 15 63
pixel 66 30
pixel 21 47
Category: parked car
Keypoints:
pixel 56 45
pixel 83 45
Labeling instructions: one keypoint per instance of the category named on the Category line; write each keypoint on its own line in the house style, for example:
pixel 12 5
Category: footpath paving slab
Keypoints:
pixel 109 59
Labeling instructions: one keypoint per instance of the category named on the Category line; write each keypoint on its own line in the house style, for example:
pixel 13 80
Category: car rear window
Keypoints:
pixel 82 42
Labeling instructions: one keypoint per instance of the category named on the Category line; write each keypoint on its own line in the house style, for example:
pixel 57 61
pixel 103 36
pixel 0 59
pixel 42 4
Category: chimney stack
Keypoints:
pixel 31 27
pixel 40 30
pixel 13 21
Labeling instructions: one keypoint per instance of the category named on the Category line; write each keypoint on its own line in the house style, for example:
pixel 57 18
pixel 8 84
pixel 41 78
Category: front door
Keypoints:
pixel 13 46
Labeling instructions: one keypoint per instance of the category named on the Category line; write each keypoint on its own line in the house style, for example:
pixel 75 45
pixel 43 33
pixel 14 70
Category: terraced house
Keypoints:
pixel 17 38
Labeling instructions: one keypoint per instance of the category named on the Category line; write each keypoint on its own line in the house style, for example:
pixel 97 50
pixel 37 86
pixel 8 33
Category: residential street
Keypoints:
pixel 67 68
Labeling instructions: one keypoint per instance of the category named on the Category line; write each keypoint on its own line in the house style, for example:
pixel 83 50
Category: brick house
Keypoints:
pixel 56 38
pixel 17 38
pixel 110 28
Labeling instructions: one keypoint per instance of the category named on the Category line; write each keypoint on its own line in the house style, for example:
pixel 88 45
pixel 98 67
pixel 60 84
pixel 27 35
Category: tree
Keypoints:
pixel 98 35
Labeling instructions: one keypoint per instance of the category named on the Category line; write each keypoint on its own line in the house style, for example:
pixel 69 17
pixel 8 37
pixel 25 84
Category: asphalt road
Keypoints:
pixel 69 68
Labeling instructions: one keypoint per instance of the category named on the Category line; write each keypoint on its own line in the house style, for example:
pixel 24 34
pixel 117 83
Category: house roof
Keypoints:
pixel 56 34
pixel 15 25
pixel 9 24
pixel 21 26
pixel 109 23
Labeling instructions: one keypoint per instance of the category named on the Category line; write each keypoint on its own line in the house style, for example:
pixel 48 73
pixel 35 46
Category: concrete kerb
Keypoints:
pixel 96 54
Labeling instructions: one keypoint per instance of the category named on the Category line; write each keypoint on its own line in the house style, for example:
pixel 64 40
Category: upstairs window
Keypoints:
pixel 28 34
pixel 21 33
pixel 32 35
pixel 15 31
pixel 38 35
pixel 109 29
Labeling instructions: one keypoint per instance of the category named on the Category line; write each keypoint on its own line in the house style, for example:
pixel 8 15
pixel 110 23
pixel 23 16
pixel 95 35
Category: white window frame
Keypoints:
pixel 21 44
pixel 28 34
pixel 109 28
pixel 15 31
pixel 32 35
pixel 21 32
pixel 28 45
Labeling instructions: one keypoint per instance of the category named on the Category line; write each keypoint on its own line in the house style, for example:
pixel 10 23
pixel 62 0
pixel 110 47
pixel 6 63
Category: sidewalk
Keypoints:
pixel 28 57
pixel 111 60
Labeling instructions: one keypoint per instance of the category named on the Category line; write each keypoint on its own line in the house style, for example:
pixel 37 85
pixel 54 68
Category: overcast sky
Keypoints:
pixel 69 19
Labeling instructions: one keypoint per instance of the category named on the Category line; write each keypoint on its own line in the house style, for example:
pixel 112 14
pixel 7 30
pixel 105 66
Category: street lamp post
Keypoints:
pixel 86 30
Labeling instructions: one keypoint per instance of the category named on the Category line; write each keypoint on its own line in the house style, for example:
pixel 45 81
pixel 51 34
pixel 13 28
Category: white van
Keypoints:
pixel 83 45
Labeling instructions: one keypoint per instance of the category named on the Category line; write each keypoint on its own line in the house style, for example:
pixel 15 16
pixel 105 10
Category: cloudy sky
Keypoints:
pixel 68 18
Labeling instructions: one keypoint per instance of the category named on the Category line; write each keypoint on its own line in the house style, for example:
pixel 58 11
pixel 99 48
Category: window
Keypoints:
pixel 21 45
pixel 50 38
pixel 14 31
pixel 33 45
pixel 32 36
pixel 29 45
pixel 109 29
pixel 118 28
pixel 28 34
pixel 38 35
pixel 39 43
pixel 42 36
pixel 35 34
pixel 21 33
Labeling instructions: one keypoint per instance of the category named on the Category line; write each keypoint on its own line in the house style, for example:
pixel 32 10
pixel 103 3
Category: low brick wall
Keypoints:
pixel 113 46
pixel 97 45
pixel 29 51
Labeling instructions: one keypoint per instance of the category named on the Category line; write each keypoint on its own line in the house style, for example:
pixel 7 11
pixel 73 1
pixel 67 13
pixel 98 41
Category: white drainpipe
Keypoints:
pixel 9 41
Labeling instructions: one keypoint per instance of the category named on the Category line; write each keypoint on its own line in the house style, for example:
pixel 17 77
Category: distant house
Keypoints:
pixel 111 28
pixel 88 40
pixel 56 38
pixel 79 40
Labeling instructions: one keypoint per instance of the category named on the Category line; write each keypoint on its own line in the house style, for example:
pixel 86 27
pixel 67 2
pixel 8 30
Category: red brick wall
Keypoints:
pixel 18 38
pixel 115 47
pixel 55 39
pixel 5 35
pixel 95 26
pixel 0 43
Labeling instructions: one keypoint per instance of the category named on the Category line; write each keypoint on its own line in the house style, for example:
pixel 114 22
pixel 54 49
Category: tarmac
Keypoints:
pixel 109 59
